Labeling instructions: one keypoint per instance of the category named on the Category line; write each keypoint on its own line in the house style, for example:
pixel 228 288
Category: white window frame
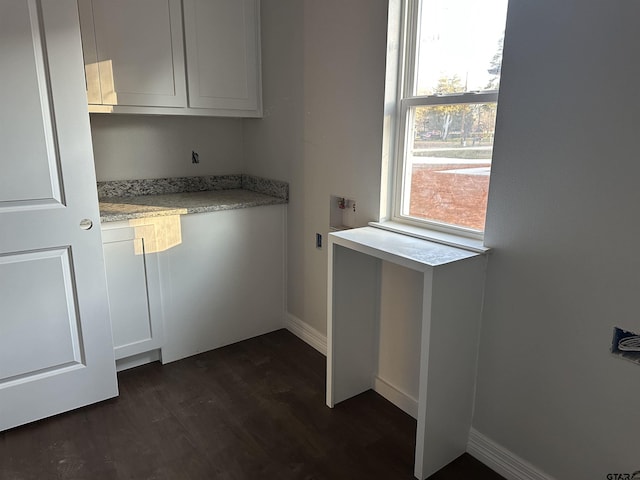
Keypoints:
pixel 405 101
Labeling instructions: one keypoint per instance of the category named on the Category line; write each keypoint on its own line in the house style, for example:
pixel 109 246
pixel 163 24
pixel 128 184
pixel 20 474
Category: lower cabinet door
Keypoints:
pixel 133 284
pixel 223 281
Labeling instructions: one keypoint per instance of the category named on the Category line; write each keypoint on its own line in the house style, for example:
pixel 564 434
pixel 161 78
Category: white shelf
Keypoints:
pixel 412 252
pixel 452 287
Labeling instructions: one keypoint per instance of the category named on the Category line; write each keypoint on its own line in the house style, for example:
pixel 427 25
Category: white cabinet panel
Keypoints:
pixel 134 288
pixel 222 50
pixel 224 282
pixel 136 51
pixel 135 56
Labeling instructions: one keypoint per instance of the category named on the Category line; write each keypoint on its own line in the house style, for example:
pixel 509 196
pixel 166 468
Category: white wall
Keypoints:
pixel 273 144
pixel 323 88
pixel 563 222
pixel 136 146
pixel 335 108
pixel 344 60
pixel 401 292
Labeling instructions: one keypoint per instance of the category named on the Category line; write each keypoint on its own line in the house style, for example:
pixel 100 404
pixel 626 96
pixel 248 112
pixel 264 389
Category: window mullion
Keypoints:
pixel 410 25
pixel 402 194
pixel 453 99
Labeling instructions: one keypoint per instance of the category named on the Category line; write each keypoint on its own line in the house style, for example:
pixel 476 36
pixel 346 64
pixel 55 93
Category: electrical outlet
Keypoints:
pixel 318 240
pixel 195 157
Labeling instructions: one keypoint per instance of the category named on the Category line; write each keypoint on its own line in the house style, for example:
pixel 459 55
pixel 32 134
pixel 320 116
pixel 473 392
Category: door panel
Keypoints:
pixel 39 303
pixel 29 170
pixel 56 351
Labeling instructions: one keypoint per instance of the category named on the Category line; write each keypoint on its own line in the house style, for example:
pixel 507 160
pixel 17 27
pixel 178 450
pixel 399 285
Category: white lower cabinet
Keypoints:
pixel 133 282
pixel 191 283
pixel 224 281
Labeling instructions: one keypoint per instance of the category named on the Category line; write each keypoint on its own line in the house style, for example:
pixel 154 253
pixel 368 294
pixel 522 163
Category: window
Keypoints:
pixel 450 73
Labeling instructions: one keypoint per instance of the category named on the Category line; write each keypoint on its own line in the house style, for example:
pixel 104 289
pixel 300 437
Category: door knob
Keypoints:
pixel 86 224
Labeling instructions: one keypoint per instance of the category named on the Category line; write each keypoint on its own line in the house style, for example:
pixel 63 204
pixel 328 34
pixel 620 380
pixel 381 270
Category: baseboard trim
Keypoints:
pixel 306 333
pixel 504 462
pixel 317 340
pixel 495 456
pixel 137 360
pixel 400 399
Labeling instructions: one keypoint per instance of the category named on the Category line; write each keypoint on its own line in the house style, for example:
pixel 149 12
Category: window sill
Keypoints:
pixel 452 240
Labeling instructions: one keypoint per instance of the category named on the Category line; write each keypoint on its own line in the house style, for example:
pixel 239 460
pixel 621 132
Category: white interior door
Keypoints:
pixel 56 351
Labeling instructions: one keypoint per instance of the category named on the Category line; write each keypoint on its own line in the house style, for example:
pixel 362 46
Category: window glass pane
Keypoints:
pixel 448 163
pixel 459 47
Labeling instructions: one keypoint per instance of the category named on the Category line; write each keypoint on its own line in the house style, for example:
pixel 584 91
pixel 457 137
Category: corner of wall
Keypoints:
pixel 306 333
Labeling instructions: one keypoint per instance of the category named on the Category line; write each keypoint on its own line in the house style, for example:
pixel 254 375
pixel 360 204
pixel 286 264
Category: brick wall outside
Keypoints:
pixel 446 194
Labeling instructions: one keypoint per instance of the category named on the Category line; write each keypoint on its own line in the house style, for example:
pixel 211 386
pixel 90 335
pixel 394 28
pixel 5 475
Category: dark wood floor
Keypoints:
pixel 253 410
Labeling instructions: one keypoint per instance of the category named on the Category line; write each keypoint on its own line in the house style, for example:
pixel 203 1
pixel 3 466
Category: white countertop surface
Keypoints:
pixel 413 252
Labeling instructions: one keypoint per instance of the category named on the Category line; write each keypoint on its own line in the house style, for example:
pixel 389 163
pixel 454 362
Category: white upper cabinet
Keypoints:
pixel 222 33
pixel 134 54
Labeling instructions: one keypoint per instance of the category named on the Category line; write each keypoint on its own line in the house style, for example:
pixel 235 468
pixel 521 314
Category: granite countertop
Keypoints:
pixel 127 200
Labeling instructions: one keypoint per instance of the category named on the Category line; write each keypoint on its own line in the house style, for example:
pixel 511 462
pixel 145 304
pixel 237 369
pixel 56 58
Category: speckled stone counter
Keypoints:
pixel 125 200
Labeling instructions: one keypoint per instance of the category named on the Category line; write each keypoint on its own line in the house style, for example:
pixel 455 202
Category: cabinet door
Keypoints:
pixel 134 52
pixel 223 54
pixel 55 344
pixel 134 289
pixel 224 281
